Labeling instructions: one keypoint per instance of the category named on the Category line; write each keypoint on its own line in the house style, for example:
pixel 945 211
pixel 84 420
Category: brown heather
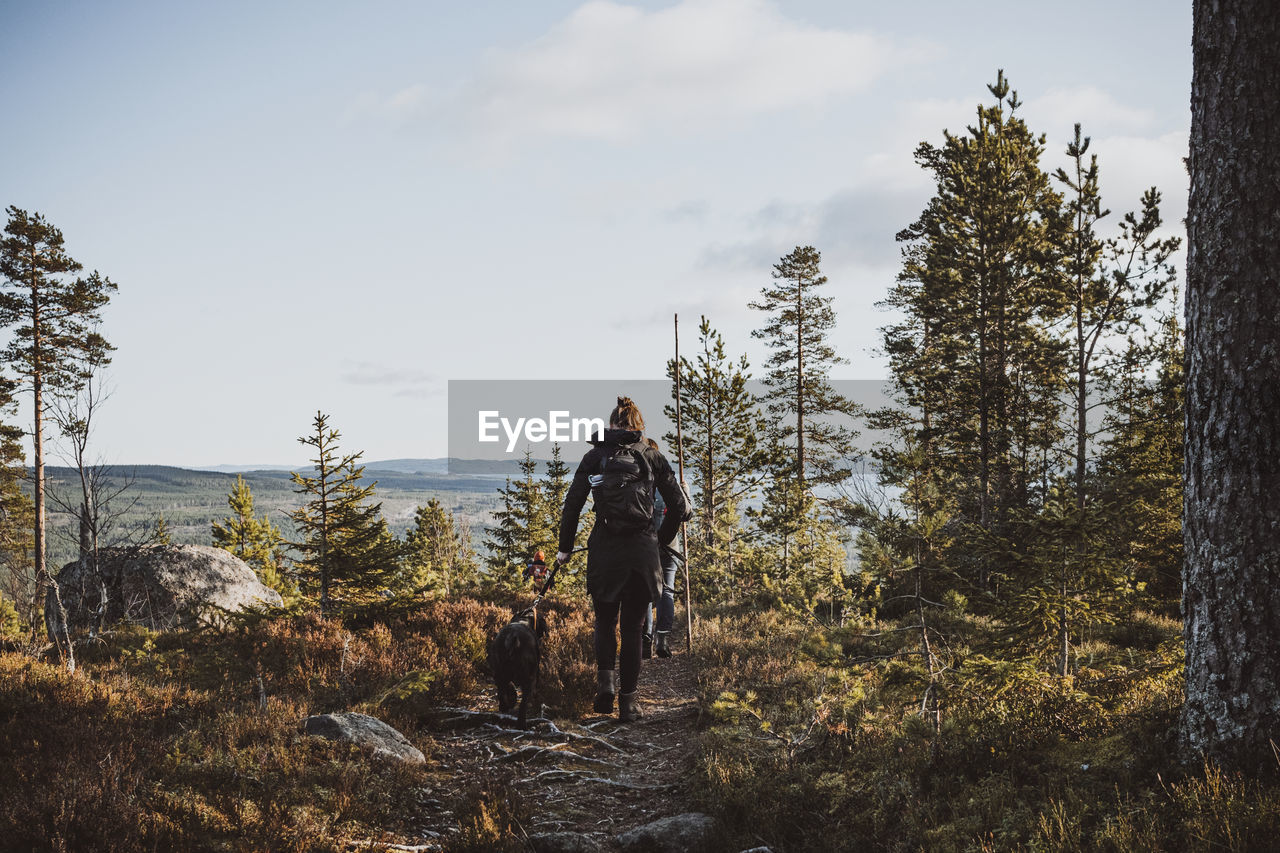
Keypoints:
pixel 167 741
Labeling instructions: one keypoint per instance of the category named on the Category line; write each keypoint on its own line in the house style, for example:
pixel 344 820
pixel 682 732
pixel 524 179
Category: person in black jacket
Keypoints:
pixel 667 605
pixel 624 571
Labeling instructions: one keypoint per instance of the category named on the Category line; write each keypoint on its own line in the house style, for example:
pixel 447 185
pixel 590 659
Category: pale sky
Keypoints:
pixel 341 206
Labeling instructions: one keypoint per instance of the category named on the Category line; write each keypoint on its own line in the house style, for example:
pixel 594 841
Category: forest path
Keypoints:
pixel 594 776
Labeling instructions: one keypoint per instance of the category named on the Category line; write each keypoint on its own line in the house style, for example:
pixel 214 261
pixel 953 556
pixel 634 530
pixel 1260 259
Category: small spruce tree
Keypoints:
pixel 347 556
pixel 253 539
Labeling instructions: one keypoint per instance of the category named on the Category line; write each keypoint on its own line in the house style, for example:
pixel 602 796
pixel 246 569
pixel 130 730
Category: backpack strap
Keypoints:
pixel 639 449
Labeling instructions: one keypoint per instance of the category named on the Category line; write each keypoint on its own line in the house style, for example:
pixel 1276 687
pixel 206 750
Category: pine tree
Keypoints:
pixel 53 317
pixel 555 485
pixel 522 526
pixel 253 539
pixel 801 399
pixel 348 556
pixel 556 482
pixel 982 273
pixel 160 533
pixel 1109 287
pixel 1139 477
pixel 786 513
pixel 728 460
pixel 437 555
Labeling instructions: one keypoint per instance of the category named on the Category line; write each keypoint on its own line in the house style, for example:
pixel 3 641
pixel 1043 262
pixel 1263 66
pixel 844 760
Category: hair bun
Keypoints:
pixel 626 415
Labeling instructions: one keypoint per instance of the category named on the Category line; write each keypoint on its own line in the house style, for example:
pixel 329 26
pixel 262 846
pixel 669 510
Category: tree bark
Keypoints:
pixel 1231 584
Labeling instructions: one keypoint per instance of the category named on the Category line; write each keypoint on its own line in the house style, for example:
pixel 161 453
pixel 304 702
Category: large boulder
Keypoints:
pixel 159 586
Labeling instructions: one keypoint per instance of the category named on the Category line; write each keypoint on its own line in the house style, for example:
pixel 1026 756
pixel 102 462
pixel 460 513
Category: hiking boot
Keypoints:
pixel 646 647
pixel 628 710
pixel 663 644
pixel 606 687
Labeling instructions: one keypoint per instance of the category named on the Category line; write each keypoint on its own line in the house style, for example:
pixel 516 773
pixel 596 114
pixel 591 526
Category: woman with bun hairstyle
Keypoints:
pixel 624 569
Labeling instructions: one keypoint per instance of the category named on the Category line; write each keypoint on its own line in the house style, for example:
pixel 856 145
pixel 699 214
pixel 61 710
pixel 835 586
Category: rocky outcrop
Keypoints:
pixel 159 586
pixel 683 833
pixel 365 731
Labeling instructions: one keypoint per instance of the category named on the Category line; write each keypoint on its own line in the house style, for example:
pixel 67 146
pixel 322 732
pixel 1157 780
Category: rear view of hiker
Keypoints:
pixel 666 606
pixel 624 571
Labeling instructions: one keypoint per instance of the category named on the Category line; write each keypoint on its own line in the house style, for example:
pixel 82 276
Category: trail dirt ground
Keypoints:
pixel 594 775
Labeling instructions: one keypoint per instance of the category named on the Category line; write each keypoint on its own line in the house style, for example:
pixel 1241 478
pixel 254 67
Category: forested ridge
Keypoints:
pixel 1004 669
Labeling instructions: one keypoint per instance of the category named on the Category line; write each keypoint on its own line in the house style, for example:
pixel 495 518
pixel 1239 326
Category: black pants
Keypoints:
pixel 632 607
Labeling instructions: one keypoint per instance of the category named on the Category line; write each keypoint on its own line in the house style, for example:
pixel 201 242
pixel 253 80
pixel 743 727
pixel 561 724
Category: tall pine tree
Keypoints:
pixel 53 314
pixel 727 455
pixel 801 400
pixel 348 556
pixel 982 275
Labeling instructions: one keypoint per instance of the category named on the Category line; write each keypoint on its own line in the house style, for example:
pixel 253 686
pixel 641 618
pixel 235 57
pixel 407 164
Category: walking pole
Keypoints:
pixel 684 537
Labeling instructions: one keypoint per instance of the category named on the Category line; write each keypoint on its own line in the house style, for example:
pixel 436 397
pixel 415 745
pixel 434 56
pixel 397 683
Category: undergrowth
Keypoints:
pixel 824 725
pixel 190 740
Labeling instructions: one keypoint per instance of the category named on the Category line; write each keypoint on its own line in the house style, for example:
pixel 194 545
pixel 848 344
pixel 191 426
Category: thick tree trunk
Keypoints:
pixel 1231 586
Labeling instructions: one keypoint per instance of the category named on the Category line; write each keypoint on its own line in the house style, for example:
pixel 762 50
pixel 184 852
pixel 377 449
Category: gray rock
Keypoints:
pixel 683 833
pixel 366 731
pixel 563 842
pixel 159 586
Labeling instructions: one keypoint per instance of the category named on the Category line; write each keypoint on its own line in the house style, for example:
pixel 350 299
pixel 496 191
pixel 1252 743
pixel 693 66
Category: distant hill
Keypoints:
pixel 437 466
pixel 190 500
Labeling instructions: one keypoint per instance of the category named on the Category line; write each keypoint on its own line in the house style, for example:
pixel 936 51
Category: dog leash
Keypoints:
pixel 532 609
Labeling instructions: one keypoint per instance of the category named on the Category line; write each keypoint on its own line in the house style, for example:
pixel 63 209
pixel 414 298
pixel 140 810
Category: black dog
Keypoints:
pixel 514 656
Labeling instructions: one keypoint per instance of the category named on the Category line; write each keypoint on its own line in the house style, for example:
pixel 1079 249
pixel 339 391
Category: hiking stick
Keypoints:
pixel 684 538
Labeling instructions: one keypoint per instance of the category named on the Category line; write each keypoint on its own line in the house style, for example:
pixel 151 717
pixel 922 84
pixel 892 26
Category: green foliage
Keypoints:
pixel 1140 471
pixel 254 539
pixel 54 316
pixel 527 522
pixel 11 626
pixel 824 725
pixel 437 553
pixel 981 286
pixel 348 557
pixel 727 454
pixel 17 513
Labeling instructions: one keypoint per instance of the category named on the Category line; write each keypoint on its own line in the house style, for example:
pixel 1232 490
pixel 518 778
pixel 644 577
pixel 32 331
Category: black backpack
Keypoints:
pixel 624 496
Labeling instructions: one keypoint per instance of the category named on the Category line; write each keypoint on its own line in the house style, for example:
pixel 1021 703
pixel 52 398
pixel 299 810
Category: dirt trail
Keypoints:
pixel 592 776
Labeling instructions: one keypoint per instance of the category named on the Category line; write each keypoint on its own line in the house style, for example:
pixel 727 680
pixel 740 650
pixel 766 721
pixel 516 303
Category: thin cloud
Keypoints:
pixel 853 226
pixel 689 211
pixel 407 381
pixel 613 71
pixel 1057 111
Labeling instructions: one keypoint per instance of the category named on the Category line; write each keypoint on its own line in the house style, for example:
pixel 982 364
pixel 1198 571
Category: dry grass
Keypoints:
pixel 190 740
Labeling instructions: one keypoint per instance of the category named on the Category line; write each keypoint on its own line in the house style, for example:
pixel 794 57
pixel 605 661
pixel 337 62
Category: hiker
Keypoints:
pixel 666 605
pixel 624 571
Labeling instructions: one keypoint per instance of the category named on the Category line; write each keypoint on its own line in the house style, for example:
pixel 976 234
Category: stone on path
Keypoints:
pixel 683 833
pixel 366 731
pixel 563 842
